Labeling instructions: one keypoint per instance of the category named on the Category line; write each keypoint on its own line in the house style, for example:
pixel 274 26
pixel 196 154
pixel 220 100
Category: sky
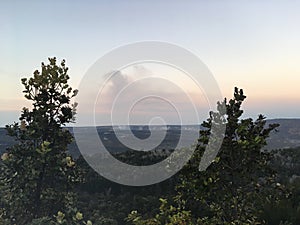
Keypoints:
pixel 253 45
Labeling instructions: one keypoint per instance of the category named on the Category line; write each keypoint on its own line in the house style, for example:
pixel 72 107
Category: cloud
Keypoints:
pixel 138 94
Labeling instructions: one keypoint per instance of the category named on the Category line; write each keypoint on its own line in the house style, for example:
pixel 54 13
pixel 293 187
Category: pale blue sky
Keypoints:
pixel 254 44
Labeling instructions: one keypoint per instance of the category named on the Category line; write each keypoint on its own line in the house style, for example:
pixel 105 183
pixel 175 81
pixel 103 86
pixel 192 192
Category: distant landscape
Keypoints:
pixel 288 136
pixel 102 106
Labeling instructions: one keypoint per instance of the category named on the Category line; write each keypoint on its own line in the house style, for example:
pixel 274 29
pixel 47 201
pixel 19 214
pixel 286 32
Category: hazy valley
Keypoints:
pixel 288 136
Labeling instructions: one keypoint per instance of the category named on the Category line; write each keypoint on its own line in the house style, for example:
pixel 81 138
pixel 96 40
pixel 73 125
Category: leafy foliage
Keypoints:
pixel 168 215
pixel 37 173
pixel 238 183
pixel 235 185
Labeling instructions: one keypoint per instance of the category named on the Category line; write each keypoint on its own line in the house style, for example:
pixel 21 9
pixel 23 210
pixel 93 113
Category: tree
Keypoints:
pixel 167 215
pixel 37 174
pixel 238 181
pixel 234 187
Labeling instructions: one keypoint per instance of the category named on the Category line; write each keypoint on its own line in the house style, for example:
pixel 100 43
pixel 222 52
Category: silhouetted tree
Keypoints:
pixel 234 187
pixel 37 174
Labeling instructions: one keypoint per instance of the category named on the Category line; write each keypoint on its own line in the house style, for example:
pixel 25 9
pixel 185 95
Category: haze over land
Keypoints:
pixel 288 136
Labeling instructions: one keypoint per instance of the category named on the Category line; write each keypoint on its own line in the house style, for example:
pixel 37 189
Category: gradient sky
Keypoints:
pixel 254 45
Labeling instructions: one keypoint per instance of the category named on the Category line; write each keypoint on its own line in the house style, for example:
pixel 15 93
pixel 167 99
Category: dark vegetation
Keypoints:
pixel 42 183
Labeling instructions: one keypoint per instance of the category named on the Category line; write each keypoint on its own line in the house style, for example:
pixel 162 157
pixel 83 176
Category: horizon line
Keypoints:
pixel 109 125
